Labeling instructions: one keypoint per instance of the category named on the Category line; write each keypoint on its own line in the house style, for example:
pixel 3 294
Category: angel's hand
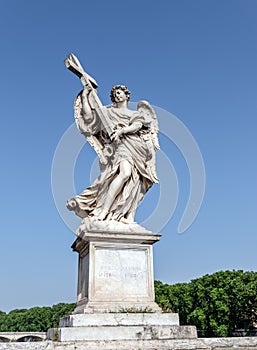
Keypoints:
pixel 87 87
pixel 115 137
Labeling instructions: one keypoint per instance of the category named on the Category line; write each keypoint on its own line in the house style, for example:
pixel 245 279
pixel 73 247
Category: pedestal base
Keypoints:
pixel 116 307
pixel 121 327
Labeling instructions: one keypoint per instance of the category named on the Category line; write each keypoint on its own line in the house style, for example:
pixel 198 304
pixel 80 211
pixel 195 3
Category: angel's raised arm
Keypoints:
pixel 85 117
pixel 84 114
pixel 91 105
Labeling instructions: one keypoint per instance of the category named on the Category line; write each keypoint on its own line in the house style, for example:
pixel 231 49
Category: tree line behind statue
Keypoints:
pixel 222 304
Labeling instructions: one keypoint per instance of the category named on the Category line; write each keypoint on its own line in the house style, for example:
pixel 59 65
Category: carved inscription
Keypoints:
pixel 124 272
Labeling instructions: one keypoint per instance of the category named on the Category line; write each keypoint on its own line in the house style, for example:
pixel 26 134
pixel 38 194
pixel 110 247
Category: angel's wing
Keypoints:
pixel 89 127
pixel 147 112
pixel 144 108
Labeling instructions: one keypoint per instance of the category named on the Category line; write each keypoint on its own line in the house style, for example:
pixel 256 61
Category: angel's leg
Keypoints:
pixel 125 170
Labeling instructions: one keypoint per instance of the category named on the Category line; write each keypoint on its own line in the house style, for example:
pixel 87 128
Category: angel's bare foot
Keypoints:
pixel 100 213
pixel 128 220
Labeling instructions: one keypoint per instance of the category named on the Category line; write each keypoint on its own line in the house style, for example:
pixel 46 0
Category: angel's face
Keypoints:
pixel 120 96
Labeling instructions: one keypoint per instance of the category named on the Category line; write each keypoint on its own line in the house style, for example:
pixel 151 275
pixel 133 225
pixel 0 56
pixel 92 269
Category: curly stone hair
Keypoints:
pixel 119 87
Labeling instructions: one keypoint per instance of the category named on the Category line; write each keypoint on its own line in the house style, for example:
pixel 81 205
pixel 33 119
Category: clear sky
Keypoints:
pixel 195 59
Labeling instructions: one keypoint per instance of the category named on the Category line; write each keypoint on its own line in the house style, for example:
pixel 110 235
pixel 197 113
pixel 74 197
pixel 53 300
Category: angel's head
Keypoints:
pixel 119 92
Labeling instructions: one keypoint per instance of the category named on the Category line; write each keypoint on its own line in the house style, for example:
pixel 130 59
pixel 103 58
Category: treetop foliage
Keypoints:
pixel 216 304
pixel 36 319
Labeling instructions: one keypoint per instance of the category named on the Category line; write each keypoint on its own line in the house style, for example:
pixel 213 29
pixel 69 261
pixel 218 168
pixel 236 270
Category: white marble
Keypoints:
pixel 164 344
pixel 126 333
pixel 115 272
pixel 120 319
pixel 91 224
pixel 125 141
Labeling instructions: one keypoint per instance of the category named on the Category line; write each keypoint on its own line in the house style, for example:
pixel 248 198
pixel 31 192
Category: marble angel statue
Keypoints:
pixel 125 141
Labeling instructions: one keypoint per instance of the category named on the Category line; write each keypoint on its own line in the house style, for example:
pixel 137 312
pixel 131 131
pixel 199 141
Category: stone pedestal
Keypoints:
pixel 115 272
pixel 116 293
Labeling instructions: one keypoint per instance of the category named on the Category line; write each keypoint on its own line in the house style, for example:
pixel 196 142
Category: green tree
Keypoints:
pixel 216 304
pixel 36 319
pixel 61 310
pixel 2 321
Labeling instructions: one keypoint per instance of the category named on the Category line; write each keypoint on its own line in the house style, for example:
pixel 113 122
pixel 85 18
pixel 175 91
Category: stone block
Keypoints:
pixel 120 319
pixel 125 333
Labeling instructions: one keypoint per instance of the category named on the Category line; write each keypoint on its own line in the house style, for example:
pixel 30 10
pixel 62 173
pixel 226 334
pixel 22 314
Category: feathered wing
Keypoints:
pixel 150 121
pixel 90 127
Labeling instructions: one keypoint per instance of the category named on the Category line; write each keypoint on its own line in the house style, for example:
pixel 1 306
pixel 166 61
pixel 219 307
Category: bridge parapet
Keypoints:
pixel 6 337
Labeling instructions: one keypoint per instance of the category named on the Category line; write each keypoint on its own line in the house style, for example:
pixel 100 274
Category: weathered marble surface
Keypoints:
pixel 233 343
pixel 236 343
pixel 121 326
pixel 18 336
pixel 120 319
pixel 115 272
pixel 90 224
pixel 125 141
pixel 123 333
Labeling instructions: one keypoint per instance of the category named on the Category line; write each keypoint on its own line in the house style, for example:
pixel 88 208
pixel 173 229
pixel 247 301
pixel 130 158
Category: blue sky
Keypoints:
pixel 196 59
